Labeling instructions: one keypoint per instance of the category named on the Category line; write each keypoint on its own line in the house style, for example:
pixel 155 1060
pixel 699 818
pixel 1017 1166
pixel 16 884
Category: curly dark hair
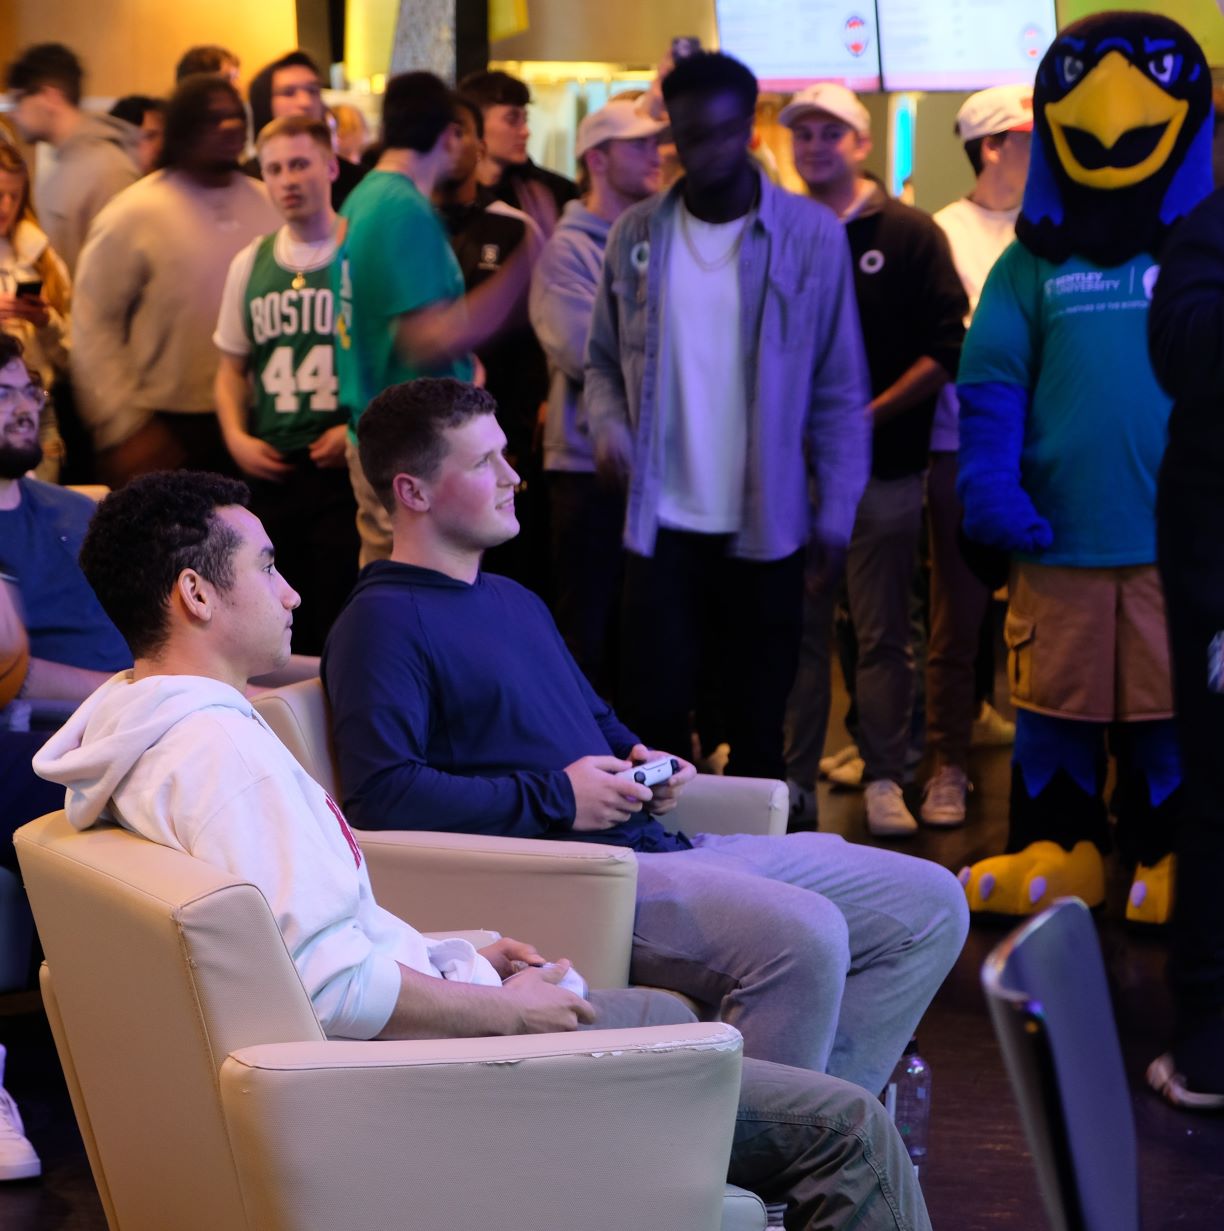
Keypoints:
pixel 711 72
pixel 145 534
pixel 401 429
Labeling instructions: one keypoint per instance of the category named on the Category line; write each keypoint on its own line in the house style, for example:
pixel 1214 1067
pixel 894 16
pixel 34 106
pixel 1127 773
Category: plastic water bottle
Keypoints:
pixel 907 1098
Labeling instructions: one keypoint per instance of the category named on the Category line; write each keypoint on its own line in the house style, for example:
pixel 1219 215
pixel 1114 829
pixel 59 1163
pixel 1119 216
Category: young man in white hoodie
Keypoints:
pixel 173 750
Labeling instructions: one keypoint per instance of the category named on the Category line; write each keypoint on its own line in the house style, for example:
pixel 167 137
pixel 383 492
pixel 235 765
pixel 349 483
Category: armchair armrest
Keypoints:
pixel 714 804
pixel 603 1129
pixel 569 899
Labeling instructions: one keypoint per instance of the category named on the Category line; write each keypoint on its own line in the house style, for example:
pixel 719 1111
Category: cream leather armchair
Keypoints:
pixel 208 1097
pixel 571 899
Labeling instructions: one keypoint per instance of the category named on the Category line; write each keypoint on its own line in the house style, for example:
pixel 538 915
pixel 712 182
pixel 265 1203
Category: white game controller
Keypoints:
pixel 572 981
pixel 652 773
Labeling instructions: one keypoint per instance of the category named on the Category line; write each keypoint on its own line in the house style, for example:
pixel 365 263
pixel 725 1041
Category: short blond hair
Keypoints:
pixel 295 126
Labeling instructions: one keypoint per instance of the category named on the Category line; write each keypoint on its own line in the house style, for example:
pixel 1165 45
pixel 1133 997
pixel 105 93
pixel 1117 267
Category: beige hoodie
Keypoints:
pixel 95 163
pixel 148 288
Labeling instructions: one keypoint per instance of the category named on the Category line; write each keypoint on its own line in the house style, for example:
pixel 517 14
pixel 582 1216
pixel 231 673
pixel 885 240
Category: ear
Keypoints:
pixel 864 146
pixel 410 493
pixel 333 168
pixel 194 596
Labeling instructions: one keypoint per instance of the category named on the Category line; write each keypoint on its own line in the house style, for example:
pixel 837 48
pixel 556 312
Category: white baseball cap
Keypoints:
pixel 1002 108
pixel 617 120
pixel 830 97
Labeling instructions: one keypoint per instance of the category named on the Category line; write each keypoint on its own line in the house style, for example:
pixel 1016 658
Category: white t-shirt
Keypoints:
pixel 703 402
pixel 230 334
pixel 977 238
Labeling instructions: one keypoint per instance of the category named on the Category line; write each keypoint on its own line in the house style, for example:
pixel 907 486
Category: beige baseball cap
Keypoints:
pixel 830 97
pixel 1002 108
pixel 617 120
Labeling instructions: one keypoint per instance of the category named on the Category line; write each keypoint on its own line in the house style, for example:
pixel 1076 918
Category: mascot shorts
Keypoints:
pixel 1088 643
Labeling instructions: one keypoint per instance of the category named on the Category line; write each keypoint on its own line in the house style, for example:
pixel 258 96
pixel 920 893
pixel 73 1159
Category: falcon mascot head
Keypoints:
pixel 1122 128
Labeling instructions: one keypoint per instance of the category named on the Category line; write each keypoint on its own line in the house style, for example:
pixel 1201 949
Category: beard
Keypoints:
pixel 15 460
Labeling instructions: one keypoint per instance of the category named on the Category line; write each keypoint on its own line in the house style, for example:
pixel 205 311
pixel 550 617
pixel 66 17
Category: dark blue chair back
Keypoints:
pixel 1045 985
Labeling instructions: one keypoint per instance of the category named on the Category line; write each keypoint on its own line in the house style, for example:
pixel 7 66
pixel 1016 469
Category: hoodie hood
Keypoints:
pixel 96 749
pixel 576 217
pixel 109 129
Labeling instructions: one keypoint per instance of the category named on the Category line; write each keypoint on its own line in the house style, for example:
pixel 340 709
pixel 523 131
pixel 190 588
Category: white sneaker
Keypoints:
pixel 943 799
pixel 991 729
pixel 841 757
pixel 887 815
pixel 18 1161
pixel 849 774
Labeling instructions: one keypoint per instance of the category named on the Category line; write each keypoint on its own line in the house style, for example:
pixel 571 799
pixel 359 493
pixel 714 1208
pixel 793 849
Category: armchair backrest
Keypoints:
pixel 160 965
pixel 298 714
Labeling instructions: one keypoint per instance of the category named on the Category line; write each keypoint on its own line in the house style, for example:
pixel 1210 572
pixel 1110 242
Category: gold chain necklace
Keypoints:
pixel 718 263
pixel 299 275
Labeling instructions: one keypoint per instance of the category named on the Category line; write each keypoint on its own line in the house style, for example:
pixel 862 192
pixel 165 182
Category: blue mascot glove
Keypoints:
pixel 997 510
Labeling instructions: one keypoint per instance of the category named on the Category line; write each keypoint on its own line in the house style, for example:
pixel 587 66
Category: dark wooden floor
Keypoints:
pixel 979 1177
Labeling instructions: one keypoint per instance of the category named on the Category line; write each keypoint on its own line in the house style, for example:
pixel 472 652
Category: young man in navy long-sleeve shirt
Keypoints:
pixel 456 706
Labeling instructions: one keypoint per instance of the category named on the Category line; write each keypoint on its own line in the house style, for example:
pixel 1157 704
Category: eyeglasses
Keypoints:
pixel 32 395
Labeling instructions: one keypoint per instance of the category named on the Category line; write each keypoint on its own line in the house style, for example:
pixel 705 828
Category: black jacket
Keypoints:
pixel 1186 339
pixel 911 304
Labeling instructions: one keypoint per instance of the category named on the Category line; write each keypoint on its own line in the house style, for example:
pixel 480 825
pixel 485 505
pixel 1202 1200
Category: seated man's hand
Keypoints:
pixel 601 799
pixel 541 1006
pixel 667 794
pixel 507 956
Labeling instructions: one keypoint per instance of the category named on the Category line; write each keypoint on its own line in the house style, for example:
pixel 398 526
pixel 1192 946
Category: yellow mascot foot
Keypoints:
pixel 1031 879
pixel 1151 893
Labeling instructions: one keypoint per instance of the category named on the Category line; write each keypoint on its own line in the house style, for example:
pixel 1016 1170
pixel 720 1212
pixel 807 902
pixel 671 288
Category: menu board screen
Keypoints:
pixel 962 44
pixel 791 43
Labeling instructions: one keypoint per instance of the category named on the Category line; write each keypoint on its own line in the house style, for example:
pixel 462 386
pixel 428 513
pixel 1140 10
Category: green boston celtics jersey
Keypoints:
pixel 290 321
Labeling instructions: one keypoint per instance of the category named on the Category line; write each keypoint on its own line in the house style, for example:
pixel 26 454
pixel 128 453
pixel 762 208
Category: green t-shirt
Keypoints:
pixel 1074 336
pixel 289 321
pixel 395 258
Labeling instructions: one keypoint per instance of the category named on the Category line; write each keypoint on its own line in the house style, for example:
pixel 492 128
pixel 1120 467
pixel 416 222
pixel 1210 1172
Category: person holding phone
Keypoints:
pixel 35 293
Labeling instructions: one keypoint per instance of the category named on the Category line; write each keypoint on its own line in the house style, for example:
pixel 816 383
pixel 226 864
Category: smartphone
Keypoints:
pixel 682 48
pixel 30 288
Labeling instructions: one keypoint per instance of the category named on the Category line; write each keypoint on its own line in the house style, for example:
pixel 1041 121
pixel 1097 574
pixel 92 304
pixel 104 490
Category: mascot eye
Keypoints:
pixel 1164 69
pixel 1070 69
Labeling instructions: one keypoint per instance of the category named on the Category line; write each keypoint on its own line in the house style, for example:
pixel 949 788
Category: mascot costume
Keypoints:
pixel 1063 427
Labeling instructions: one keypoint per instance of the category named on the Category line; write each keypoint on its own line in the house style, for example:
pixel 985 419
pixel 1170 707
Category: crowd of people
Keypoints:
pixel 559 478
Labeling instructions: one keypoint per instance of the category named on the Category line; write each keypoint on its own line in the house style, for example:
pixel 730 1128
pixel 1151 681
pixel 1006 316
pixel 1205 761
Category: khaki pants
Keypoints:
pixel 1088 643
pixel 373 520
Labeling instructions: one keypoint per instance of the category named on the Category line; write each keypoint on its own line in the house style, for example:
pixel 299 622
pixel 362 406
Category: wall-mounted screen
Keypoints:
pixel 789 44
pixel 962 44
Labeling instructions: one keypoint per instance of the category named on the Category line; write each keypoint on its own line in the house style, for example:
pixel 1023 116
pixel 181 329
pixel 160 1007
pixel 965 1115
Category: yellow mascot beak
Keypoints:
pixel 1113 100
